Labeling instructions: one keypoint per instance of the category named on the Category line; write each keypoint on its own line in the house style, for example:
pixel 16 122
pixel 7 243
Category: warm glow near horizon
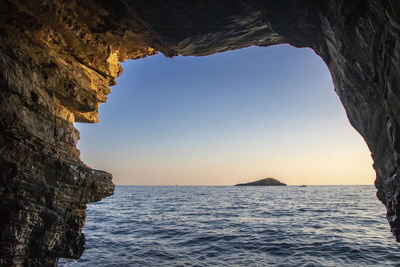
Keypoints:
pixel 225 119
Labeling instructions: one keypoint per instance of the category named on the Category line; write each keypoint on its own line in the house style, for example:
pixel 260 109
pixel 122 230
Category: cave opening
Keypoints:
pixel 218 119
pixel 213 121
pixel 59 59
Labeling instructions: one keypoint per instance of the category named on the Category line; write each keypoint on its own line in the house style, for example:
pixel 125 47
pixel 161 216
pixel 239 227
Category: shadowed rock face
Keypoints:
pixel 58 59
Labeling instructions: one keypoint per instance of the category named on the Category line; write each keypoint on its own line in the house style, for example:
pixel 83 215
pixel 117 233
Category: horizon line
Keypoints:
pixel 248 186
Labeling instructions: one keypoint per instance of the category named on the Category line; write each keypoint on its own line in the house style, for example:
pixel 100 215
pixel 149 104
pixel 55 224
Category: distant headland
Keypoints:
pixel 264 182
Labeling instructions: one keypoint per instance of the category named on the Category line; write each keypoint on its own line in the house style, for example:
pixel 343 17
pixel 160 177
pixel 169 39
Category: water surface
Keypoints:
pixel 238 226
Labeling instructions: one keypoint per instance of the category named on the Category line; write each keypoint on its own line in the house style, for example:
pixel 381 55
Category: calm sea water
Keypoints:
pixel 238 226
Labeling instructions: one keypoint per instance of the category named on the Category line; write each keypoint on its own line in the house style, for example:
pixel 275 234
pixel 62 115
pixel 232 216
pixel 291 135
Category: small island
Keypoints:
pixel 264 182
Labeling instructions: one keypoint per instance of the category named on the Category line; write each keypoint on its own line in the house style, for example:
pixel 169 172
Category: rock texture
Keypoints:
pixel 58 59
pixel 264 182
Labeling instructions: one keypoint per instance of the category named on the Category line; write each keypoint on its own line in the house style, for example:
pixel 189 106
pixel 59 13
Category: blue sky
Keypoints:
pixel 226 118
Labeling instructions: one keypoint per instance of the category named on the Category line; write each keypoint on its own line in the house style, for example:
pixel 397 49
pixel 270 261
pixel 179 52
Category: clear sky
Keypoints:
pixel 226 118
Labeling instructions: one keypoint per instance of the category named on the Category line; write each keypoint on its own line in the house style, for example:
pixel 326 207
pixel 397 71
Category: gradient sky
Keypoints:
pixel 227 118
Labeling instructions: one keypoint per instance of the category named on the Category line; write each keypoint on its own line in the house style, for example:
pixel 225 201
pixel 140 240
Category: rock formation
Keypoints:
pixel 264 182
pixel 58 59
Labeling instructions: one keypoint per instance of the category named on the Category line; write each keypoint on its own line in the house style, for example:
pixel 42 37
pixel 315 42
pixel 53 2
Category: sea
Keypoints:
pixel 238 226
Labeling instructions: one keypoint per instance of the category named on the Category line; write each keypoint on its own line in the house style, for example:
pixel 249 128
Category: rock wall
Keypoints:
pixel 58 59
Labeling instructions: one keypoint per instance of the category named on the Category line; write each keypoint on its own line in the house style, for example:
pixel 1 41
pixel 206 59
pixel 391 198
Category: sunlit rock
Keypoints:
pixel 58 59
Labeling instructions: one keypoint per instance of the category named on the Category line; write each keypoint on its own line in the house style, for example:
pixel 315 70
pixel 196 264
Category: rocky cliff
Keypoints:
pixel 58 59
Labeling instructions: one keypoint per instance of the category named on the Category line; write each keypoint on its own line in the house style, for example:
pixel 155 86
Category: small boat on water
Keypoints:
pixel 303 185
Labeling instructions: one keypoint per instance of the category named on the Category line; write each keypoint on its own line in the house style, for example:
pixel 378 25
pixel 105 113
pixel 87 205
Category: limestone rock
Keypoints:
pixel 58 59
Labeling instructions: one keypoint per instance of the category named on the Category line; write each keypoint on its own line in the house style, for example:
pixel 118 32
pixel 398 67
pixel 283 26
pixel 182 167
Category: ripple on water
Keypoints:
pixel 238 226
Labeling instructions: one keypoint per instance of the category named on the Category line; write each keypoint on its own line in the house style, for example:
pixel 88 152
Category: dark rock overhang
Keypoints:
pixel 58 59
